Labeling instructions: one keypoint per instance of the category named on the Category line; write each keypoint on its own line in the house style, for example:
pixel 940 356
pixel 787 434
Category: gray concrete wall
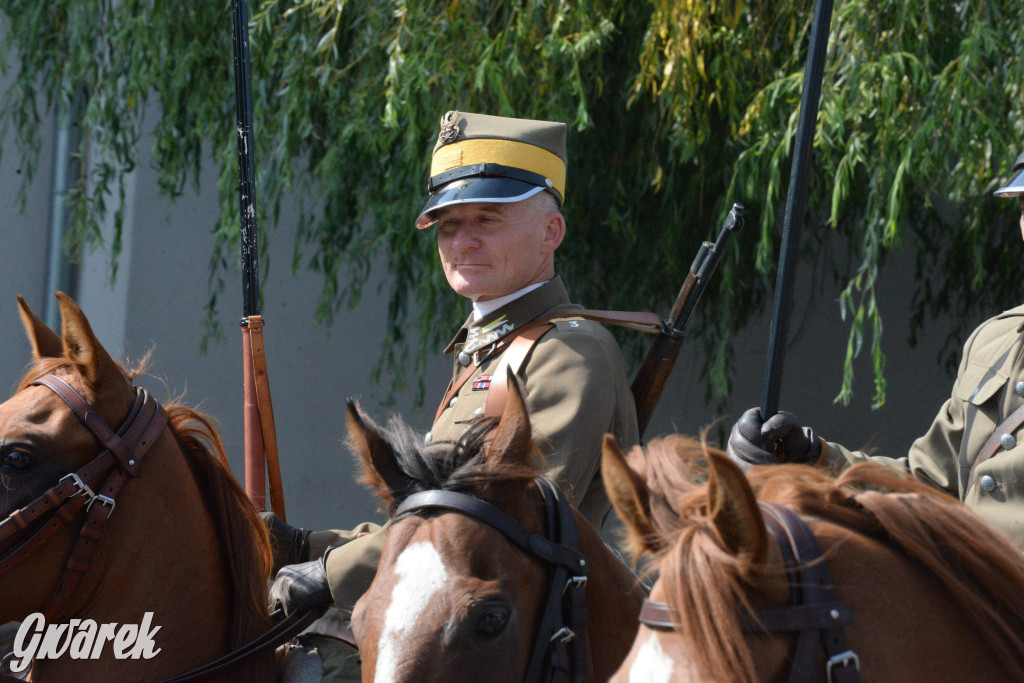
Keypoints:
pixel 159 295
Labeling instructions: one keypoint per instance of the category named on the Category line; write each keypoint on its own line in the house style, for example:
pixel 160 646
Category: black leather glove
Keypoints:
pixel 300 588
pixel 780 439
pixel 289 544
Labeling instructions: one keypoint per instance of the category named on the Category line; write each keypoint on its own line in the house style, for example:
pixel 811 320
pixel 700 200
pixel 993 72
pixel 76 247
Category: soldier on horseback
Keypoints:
pixel 496 191
pixel 973 449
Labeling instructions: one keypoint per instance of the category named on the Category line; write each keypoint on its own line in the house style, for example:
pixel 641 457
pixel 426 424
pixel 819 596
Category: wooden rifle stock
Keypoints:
pixel 654 372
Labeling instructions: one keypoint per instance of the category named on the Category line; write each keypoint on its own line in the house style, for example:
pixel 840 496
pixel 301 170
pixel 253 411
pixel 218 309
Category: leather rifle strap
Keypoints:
pixel 994 442
pixel 511 361
pixel 640 321
pixel 265 408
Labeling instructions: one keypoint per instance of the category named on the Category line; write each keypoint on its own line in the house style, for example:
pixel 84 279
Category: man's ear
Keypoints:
pixel 554 231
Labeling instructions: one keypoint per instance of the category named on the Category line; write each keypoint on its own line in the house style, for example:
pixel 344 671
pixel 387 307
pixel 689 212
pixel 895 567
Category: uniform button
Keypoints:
pixel 478 411
pixel 452 402
pixel 464 359
pixel 1007 441
pixel 1019 389
pixel 987 483
pixel 428 437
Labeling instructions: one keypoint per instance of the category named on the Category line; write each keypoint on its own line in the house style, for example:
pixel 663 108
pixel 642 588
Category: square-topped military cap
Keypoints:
pixel 1014 188
pixel 481 158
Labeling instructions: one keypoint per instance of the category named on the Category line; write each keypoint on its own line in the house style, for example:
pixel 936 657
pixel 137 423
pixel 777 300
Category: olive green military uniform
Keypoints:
pixel 988 389
pixel 576 390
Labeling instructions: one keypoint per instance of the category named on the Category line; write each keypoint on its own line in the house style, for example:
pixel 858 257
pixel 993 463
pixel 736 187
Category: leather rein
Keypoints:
pixel 94 488
pixel 560 645
pixel 814 612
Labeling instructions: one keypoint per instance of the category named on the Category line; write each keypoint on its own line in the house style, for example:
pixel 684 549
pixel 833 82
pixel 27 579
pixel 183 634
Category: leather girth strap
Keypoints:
pixel 516 346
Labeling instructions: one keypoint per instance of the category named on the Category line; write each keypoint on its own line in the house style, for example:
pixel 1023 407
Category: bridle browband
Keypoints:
pixel 560 644
pixel 814 612
pixel 100 481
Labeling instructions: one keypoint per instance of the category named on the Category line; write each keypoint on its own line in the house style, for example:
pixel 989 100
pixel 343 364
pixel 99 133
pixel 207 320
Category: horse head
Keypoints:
pixel 454 599
pixel 113 506
pixel 735 552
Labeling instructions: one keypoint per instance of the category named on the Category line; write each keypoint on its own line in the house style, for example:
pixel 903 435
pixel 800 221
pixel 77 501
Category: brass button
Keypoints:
pixel 465 358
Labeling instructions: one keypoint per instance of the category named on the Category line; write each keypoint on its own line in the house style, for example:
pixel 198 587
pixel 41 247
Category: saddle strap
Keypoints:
pixel 994 443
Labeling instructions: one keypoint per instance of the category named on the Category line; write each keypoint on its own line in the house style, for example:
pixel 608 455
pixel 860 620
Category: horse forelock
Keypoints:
pixel 978 567
pixel 460 466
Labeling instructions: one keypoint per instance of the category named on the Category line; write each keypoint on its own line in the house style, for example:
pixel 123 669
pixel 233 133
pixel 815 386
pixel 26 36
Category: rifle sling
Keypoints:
pixel 517 344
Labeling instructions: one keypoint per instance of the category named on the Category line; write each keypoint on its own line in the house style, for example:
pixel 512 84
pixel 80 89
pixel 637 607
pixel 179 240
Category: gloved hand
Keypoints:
pixel 301 587
pixel 289 544
pixel 780 439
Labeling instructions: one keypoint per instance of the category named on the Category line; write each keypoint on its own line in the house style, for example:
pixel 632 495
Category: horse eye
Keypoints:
pixel 492 622
pixel 17 460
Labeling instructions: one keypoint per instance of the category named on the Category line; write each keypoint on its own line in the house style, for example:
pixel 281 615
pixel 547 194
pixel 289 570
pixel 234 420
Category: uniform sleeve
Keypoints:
pixel 932 458
pixel 571 386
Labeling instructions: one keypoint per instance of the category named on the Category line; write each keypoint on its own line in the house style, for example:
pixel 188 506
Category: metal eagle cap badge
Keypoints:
pixel 449 127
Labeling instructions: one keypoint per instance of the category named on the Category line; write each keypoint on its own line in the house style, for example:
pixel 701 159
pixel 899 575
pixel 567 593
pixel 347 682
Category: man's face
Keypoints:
pixel 490 250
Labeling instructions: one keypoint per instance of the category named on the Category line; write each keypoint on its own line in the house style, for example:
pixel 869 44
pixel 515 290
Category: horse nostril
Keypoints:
pixel 493 621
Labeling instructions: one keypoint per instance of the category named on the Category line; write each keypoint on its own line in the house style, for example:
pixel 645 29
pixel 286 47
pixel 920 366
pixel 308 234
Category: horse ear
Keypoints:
pixel 629 494
pixel 380 464
pixel 81 347
pixel 512 440
pixel 45 342
pixel 733 509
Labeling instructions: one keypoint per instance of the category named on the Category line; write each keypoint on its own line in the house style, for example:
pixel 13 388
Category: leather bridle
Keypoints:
pixel 94 488
pixel 560 645
pixel 814 612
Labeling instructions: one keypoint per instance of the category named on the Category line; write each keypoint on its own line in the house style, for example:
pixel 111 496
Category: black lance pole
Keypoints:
pixel 261 459
pixel 795 203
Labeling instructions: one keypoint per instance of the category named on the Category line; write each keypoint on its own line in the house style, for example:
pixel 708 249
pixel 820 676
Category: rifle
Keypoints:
pixel 261 457
pixel 650 380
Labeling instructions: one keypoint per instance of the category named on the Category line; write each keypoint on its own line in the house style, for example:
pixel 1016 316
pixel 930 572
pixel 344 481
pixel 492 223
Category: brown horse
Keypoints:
pixel 935 594
pixel 454 598
pixel 179 540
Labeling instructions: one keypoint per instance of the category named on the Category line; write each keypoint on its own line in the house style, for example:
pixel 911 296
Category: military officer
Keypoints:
pixel 496 189
pixel 974 448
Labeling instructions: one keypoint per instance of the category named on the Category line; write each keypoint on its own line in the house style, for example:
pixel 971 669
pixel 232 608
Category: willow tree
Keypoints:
pixel 677 109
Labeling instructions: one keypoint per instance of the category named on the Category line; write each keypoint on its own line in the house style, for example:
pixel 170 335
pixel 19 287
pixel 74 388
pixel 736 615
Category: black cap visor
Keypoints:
pixel 476 190
pixel 1014 188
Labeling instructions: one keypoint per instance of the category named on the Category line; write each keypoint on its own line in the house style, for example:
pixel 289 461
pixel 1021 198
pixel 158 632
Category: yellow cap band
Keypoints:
pixel 505 152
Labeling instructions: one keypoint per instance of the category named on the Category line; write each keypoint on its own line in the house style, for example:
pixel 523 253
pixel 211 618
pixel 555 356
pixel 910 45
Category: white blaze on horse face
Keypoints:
pixel 421 573
pixel 651 665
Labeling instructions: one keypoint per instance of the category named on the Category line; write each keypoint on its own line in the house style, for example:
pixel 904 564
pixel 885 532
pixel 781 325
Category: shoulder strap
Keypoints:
pixel 511 360
pixel 994 443
pixel 522 340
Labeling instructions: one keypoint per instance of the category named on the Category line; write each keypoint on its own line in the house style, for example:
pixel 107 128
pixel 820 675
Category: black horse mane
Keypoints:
pixel 459 466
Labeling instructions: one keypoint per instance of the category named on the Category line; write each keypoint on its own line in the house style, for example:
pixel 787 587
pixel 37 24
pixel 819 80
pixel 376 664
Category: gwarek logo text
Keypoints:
pixel 81 639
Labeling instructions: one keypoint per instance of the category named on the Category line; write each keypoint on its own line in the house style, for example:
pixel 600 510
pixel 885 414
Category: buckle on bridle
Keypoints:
pixel 104 500
pixel 563 635
pixel 842 659
pixel 577 582
pixel 82 487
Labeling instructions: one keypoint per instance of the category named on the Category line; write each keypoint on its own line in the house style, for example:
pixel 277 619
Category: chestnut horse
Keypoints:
pixel 180 540
pixel 462 592
pixel 935 594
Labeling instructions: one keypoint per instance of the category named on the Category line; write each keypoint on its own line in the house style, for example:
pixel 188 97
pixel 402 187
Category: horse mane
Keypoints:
pixel 241 533
pixel 979 568
pixel 459 466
